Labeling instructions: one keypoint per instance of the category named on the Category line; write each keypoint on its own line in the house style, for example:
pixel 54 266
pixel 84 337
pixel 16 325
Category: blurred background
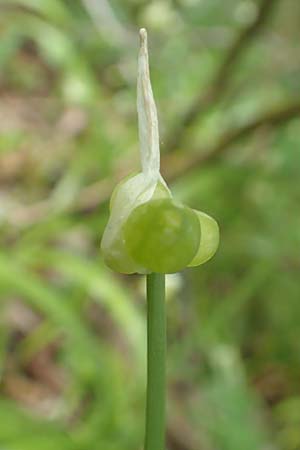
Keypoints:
pixel 226 82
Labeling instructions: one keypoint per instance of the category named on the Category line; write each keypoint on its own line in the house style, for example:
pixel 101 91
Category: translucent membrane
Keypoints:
pixel 140 188
pixel 209 241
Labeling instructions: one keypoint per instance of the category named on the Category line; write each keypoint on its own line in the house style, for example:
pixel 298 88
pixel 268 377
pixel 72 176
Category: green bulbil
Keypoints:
pixel 162 236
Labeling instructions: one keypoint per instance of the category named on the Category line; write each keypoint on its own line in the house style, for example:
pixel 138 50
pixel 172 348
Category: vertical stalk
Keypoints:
pixel 156 363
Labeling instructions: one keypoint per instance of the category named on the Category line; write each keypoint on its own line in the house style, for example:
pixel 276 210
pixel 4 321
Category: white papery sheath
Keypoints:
pixel 140 188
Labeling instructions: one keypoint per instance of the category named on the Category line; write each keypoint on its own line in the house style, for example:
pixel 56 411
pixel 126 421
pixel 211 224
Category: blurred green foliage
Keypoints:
pixel 72 340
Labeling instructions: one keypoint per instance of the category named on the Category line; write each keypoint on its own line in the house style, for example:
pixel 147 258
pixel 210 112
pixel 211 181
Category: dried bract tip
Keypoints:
pixel 143 35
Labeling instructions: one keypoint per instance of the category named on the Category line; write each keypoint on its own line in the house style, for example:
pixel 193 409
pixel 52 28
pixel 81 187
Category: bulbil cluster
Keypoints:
pixel 148 231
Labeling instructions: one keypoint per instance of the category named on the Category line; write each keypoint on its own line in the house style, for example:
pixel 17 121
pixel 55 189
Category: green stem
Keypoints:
pixel 156 363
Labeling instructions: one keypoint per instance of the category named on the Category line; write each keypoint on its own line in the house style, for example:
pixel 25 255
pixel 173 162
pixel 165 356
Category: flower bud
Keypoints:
pixel 147 230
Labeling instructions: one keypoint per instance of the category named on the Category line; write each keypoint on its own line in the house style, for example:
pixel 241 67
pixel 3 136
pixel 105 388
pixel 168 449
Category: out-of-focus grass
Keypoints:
pixel 72 340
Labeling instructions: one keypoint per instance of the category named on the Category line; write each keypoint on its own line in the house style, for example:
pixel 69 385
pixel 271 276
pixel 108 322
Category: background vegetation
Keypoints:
pixel 226 80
